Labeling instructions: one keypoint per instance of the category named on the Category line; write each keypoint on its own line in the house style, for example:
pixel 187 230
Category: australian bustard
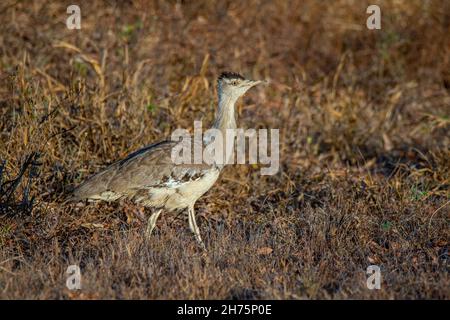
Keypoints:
pixel 150 178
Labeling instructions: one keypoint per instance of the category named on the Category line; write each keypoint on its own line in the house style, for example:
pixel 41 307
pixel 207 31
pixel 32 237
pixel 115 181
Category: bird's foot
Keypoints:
pixel 201 245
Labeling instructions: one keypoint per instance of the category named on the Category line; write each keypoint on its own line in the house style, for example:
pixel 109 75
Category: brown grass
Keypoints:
pixel 364 119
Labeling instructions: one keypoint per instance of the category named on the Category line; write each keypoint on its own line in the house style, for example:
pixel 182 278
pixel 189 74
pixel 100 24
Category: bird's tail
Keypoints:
pixel 70 197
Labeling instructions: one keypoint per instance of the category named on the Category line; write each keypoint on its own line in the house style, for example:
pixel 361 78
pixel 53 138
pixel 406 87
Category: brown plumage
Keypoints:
pixel 150 178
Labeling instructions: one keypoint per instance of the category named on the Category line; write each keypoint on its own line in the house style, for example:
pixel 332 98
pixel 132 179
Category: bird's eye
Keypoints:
pixel 234 82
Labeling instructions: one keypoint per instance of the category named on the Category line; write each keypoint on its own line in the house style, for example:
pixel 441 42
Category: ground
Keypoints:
pixel 364 157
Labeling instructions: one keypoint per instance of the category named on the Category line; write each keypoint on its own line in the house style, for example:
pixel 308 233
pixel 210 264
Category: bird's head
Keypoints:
pixel 233 85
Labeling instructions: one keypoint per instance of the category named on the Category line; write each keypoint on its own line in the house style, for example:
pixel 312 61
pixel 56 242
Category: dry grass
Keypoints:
pixel 364 119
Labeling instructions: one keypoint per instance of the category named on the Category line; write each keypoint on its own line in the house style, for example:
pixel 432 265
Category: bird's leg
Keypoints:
pixel 193 226
pixel 152 222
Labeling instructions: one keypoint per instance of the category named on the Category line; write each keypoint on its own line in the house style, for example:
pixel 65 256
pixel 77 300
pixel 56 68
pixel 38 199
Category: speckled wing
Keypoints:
pixel 146 168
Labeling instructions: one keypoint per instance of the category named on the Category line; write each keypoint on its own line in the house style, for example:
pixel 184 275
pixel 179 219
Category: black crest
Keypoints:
pixel 230 75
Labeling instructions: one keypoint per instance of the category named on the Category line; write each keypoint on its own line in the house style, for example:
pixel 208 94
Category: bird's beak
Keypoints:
pixel 252 83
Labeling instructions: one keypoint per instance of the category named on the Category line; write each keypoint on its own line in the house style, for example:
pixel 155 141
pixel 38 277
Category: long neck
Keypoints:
pixel 225 113
pixel 225 120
